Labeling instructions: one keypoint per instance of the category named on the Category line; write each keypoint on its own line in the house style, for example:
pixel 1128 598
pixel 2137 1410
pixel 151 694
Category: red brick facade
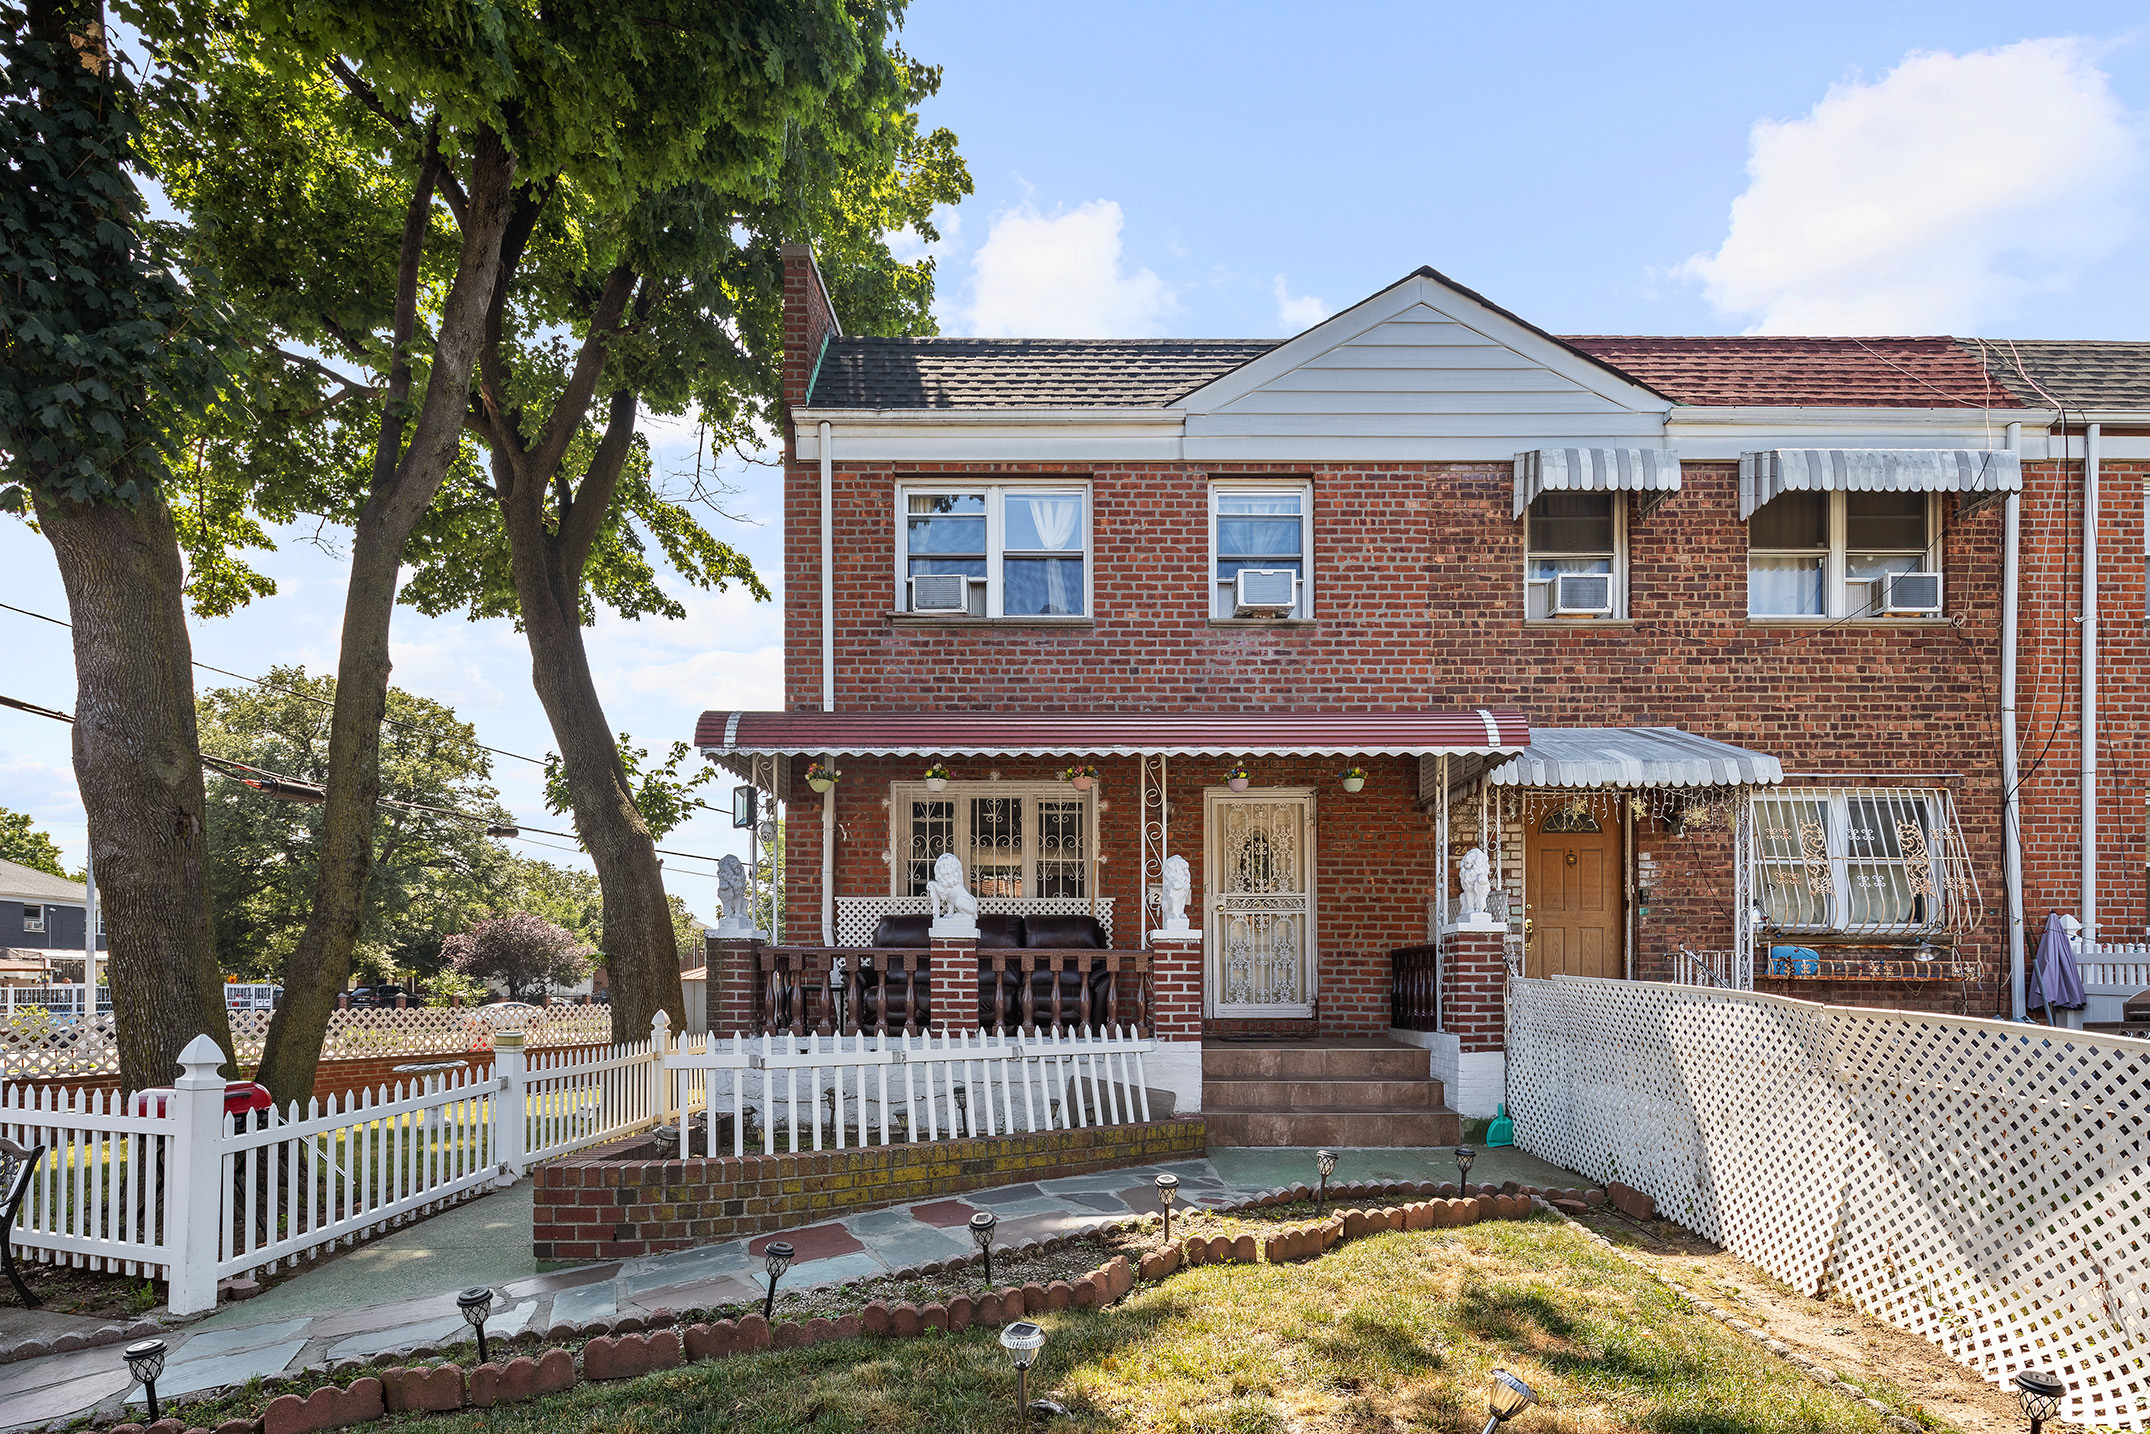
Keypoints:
pixel 1418 602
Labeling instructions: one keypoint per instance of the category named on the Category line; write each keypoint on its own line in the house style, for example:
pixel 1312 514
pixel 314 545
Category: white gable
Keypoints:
pixel 1422 370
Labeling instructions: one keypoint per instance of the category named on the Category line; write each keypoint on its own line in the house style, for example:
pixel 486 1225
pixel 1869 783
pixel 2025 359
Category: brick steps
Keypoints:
pixel 1339 1093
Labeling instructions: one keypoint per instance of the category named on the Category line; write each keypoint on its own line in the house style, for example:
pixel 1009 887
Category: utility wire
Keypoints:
pixel 276 784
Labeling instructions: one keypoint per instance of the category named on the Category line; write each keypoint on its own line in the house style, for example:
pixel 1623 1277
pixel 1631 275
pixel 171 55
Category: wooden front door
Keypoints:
pixel 1573 889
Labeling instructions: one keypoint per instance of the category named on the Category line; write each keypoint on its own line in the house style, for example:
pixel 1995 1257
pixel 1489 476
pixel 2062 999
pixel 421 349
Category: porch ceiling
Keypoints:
pixel 1624 757
pixel 1415 732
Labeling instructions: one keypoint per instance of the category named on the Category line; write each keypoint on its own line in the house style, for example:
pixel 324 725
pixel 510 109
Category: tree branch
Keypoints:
pixel 388 448
pixel 574 401
pixel 581 521
pixel 493 368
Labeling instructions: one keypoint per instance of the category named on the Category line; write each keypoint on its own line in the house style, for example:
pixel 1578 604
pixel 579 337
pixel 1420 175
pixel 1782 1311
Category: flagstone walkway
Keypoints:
pixel 399 1292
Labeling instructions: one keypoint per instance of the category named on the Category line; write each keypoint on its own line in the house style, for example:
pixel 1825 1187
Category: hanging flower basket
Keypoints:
pixel 1080 778
pixel 1354 778
pixel 1238 777
pixel 937 778
pixel 822 779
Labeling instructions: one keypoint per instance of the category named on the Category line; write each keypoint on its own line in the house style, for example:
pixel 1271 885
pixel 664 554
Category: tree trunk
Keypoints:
pixel 641 949
pixel 138 763
pixel 405 484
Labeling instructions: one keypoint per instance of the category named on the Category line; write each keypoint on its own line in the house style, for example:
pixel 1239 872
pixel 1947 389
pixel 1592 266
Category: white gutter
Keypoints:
pixel 2089 913
pixel 828 677
pixel 2011 806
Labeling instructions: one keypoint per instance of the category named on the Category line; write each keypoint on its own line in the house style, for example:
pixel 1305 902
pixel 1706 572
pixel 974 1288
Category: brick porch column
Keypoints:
pixel 734 967
pixel 1470 1056
pixel 1175 1069
pixel 955 981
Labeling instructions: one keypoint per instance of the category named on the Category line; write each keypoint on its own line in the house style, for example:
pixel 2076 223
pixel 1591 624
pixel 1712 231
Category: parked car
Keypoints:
pixel 370 996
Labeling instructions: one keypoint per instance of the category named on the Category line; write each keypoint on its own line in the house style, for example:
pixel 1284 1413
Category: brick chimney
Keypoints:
pixel 809 320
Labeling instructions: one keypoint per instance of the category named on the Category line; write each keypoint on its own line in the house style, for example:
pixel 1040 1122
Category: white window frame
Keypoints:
pixel 33 923
pixel 1836 562
pixel 1214 585
pixel 995 495
pixel 1619 566
pixel 902 794
pixel 1782 852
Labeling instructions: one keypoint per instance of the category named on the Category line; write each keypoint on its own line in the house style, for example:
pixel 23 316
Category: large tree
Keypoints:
pixel 106 352
pixel 546 220
pixel 435 870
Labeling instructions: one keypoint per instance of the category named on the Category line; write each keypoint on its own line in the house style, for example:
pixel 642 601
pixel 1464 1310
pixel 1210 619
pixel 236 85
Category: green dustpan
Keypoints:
pixel 1502 1130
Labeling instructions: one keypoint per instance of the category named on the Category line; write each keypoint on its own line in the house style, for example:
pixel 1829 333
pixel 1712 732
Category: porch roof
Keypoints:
pixel 1633 757
pixel 1410 732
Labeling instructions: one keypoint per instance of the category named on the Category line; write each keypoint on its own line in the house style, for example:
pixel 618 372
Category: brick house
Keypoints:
pixel 1697 641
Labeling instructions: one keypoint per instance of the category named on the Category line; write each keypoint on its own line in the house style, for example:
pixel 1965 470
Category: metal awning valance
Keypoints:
pixel 1633 758
pixel 1653 472
pixel 1412 732
pixel 1979 474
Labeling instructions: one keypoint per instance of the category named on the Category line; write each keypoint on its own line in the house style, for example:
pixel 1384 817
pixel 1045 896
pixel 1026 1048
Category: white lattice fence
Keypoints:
pixel 1980 1183
pixel 856 916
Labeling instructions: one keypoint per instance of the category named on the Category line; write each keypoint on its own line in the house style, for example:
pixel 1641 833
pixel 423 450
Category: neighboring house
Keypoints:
pixel 43 912
pixel 1699 639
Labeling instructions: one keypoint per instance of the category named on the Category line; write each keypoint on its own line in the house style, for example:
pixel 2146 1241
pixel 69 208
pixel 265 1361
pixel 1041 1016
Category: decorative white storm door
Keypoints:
pixel 1259 865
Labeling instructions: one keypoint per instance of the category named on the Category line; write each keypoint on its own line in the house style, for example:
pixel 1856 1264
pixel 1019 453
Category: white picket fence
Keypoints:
pixel 2111 974
pixel 1979 1183
pixel 169 1183
pixel 841 1091
pixel 55 1000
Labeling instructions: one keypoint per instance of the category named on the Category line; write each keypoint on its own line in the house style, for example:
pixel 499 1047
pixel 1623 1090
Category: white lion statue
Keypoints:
pixel 1178 887
pixel 733 897
pixel 1475 875
pixel 955 910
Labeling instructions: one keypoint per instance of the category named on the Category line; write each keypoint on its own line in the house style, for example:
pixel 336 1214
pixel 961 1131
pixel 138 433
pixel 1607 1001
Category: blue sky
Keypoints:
pixel 1241 170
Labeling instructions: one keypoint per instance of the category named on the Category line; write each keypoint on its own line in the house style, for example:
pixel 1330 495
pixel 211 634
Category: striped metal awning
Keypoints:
pixel 1112 734
pixel 1632 758
pixel 1980 474
pixel 1653 472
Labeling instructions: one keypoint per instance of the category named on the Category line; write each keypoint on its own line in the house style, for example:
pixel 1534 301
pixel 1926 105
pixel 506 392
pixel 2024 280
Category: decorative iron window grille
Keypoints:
pixel 1017 840
pixel 1861 861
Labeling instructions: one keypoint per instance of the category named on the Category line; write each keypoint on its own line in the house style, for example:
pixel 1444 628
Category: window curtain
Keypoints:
pixel 1056 520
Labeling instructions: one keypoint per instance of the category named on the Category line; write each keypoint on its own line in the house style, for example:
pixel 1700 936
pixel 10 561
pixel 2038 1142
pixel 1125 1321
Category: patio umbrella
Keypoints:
pixel 2055 981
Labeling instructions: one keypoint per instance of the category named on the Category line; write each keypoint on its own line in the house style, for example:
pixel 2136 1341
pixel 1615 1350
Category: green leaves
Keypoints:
pixel 664 798
pixel 23 843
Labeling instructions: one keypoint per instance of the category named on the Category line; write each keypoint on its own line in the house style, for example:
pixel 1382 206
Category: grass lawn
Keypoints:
pixel 1394 1332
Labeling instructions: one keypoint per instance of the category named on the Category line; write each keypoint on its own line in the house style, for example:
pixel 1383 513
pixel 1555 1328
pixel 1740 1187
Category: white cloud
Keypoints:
pixel 1295 314
pixel 1933 200
pixel 1061 276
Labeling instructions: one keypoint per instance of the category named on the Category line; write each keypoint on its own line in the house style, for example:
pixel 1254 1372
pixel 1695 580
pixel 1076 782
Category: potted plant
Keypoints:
pixel 821 778
pixel 1354 778
pixel 1239 776
pixel 937 777
pixel 1080 778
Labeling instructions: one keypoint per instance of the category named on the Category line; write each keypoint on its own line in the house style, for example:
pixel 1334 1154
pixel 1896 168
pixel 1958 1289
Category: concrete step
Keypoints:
pixel 1347 1129
pixel 1286 1061
pixel 1398 1095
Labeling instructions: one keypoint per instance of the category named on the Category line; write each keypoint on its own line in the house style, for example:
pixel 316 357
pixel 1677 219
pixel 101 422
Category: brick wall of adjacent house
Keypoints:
pixel 1417 575
pixel 600 1206
pixel 2049 702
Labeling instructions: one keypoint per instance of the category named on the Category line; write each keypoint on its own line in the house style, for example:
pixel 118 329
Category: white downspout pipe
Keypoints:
pixel 828 678
pixel 2089 913
pixel 2011 802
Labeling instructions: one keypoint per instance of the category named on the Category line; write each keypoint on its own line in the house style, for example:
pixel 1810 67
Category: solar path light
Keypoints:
pixel 145 1361
pixel 1023 1340
pixel 1464 1158
pixel 1325 1162
pixel 1168 1190
pixel 981 1235
pixel 476 1303
pixel 776 1259
pixel 2039 1393
pixel 1506 1397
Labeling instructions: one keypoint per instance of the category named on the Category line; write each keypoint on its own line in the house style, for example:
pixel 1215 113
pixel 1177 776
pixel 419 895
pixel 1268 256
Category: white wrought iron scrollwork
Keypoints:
pixel 1156 820
pixel 1262 906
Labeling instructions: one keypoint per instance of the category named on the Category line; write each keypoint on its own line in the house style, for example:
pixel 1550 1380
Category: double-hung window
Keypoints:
pixel 1015 839
pixel 1829 555
pixel 1857 861
pixel 1265 529
pixel 1573 564
pixel 1018 552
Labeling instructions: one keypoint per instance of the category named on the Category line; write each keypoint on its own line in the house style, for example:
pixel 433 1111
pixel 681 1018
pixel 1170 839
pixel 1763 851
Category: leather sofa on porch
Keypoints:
pixel 1080 991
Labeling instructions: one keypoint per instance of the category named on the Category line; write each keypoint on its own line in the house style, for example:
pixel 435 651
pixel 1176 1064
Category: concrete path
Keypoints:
pixel 399 1292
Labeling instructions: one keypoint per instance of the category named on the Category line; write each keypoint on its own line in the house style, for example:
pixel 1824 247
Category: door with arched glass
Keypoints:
pixel 1572 886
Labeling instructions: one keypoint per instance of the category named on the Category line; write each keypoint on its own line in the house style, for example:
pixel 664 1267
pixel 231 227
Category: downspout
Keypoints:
pixel 2011 814
pixel 828 679
pixel 2090 687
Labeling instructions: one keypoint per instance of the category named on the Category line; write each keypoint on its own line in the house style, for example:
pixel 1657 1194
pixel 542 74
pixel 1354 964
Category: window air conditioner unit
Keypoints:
pixel 1912 593
pixel 940 592
pixel 1582 594
pixel 1266 592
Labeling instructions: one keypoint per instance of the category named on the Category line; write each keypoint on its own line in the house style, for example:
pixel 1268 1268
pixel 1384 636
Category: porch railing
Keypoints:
pixel 850 990
pixel 1415 988
pixel 1718 969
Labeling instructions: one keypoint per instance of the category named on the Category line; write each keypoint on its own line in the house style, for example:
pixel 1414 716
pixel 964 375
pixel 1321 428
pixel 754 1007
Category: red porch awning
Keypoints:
pixel 1406 733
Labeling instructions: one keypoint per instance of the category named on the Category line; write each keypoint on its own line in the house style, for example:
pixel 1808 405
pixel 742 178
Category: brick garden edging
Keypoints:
pixel 591 1207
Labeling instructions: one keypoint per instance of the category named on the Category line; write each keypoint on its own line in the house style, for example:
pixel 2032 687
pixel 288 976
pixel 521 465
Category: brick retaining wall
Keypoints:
pixel 589 1207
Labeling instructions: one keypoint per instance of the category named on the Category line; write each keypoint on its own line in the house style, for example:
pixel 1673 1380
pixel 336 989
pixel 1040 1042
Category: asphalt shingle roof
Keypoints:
pixel 1880 372
pixel 1022 373
pixel 27 883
